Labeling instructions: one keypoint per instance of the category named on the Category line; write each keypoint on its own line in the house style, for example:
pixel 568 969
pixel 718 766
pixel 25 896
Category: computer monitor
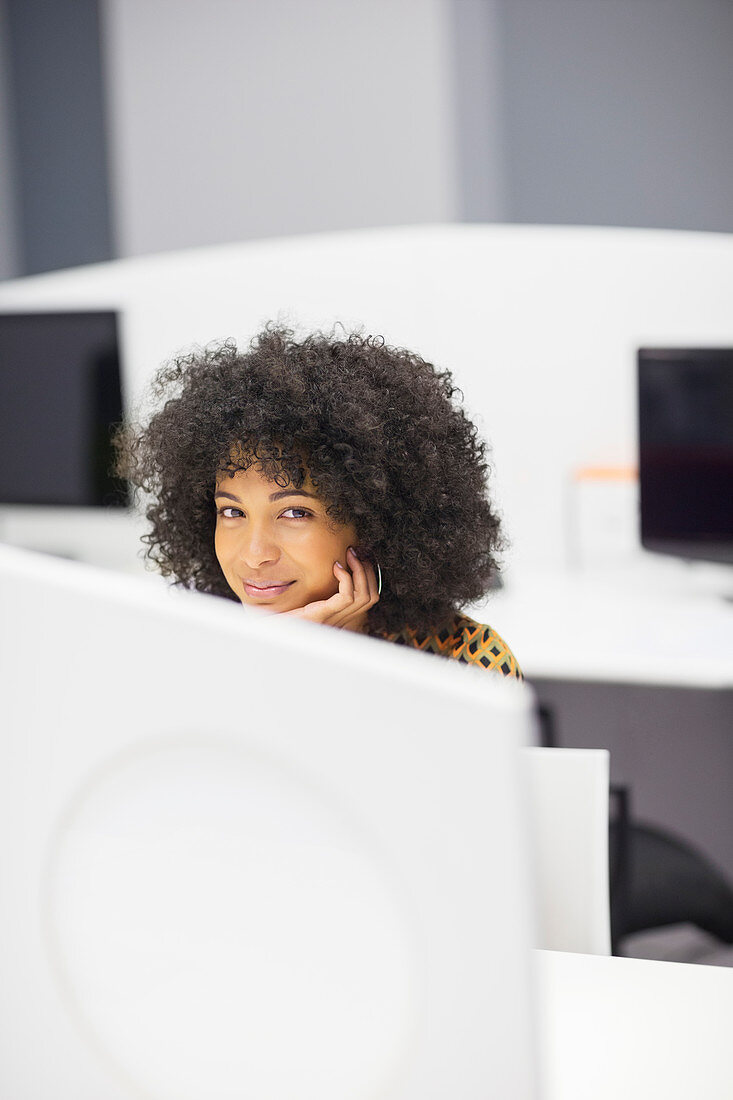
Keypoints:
pixel 686 451
pixel 59 396
pixel 246 856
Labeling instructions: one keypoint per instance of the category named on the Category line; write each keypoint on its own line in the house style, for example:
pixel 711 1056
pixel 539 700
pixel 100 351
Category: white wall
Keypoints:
pixel 234 119
pixel 539 324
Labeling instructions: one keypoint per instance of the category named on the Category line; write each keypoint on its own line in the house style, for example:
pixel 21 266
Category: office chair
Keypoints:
pixel 658 879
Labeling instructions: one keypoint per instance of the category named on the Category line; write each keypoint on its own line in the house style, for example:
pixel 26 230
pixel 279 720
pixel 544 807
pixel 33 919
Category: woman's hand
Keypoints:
pixel 348 607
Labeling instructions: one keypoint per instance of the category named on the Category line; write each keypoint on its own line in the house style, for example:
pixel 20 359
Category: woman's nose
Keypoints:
pixel 257 546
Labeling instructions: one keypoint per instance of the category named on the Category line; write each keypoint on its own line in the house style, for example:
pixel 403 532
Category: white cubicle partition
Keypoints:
pixel 539 324
pixel 633 1028
pixel 246 856
pixel 568 810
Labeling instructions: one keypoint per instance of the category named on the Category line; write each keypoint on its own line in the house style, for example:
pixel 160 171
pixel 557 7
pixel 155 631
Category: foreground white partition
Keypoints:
pixel 247 857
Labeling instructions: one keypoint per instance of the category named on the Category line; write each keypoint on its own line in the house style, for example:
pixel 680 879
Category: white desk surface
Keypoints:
pixel 631 1029
pixel 640 626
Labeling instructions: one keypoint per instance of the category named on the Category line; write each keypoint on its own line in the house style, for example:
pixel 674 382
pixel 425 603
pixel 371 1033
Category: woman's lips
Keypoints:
pixel 265 592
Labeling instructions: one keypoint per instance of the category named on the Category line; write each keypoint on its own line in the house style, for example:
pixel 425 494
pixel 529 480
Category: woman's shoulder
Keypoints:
pixel 466 640
pixel 478 644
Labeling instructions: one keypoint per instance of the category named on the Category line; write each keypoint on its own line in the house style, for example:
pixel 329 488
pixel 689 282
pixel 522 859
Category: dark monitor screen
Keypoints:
pixel 686 451
pixel 60 395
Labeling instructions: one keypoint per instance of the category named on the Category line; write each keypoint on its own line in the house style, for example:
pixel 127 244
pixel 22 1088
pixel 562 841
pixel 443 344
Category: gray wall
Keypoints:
pixel 240 119
pixel 8 228
pixel 478 110
pixel 618 112
pixel 57 139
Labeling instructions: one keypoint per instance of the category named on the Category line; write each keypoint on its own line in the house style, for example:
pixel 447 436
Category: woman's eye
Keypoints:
pixel 230 513
pixel 297 513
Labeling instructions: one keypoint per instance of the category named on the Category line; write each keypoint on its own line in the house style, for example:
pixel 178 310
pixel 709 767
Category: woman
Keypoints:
pixel 331 479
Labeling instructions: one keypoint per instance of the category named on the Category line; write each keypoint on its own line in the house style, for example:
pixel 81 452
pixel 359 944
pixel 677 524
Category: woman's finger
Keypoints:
pixel 346 609
pixel 371 594
pixel 361 581
pixel 372 583
pixel 371 589
pixel 365 594
pixel 346 585
pixel 331 611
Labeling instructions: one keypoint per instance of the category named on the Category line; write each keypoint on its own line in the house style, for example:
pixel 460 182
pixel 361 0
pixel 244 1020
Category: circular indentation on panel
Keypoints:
pixel 223 929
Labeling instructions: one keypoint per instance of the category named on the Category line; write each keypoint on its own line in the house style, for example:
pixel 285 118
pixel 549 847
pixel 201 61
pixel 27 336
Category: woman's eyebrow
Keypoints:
pixel 291 493
pixel 273 496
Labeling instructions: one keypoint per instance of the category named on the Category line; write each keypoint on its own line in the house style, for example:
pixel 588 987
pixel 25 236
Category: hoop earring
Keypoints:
pixel 379 580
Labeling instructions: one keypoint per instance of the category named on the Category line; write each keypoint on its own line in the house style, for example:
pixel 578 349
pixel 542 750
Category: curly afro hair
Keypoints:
pixel 386 446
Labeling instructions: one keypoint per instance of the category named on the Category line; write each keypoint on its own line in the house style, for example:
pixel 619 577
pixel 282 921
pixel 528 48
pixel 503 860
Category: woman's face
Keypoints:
pixel 276 547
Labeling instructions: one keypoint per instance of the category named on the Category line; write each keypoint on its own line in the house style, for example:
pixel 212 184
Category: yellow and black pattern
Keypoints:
pixel 464 640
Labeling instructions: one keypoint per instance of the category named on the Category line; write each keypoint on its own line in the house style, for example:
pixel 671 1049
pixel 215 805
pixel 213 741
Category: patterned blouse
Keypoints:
pixel 464 640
